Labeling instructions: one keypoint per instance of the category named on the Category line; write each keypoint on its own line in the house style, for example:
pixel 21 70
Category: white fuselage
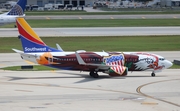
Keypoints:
pixel 8 19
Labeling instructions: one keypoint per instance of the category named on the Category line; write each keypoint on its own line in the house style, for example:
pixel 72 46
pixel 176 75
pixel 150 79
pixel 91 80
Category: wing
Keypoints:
pixel 119 69
pixel 81 62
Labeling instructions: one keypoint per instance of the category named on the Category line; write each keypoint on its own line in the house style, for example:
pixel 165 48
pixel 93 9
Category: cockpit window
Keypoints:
pixel 161 59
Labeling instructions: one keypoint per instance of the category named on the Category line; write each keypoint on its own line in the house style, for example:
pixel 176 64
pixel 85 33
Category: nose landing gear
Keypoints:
pixel 153 74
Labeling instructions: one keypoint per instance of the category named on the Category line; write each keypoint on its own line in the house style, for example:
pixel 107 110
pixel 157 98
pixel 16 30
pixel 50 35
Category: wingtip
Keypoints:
pixel 79 59
pixel 17 51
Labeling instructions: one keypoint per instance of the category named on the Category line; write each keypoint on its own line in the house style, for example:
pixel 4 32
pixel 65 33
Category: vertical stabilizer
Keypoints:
pixel 31 42
pixel 19 8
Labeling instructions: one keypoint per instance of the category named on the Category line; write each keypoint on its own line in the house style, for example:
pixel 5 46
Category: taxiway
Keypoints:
pixel 96 31
pixel 76 91
pixel 141 16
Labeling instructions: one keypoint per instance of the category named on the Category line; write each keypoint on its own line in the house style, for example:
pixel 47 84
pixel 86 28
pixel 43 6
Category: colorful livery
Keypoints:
pixel 112 63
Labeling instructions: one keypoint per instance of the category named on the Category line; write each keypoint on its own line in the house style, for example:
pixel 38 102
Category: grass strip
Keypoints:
pixel 111 43
pixel 107 12
pixel 175 66
pixel 46 23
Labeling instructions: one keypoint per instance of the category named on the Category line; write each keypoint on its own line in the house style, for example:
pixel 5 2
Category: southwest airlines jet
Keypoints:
pixel 16 11
pixel 112 63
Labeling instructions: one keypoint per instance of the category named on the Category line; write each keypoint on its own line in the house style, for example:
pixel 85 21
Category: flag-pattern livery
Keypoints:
pixel 116 62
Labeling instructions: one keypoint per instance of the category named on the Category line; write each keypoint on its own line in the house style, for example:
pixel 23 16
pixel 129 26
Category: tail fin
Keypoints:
pixel 31 42
pixel 18 9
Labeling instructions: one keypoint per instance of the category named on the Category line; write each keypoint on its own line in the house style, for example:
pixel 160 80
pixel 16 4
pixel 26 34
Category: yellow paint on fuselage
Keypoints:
pixel 42 60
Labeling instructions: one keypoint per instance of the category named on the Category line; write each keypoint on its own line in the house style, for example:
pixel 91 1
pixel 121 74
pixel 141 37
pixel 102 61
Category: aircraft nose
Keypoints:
pixel 168 64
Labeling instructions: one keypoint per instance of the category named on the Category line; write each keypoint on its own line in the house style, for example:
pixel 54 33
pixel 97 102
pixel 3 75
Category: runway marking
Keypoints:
pixel 48 18
pixel 53 71
pixel 112 18
pixel 138 90
pixel 143 17
pixel 36 107
pixel 29 62
pixel 149 103
pixel 80 18
pixel 2 64
pixel 69 87
pixel 24 90
pixel 174 17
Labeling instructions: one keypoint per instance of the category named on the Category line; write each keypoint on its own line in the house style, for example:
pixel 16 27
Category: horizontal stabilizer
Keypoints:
pixel 22 53
pixel 18 51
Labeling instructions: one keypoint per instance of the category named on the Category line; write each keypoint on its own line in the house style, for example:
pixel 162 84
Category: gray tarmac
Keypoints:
pixel 96 31
pixel 76 91
pixel 141 16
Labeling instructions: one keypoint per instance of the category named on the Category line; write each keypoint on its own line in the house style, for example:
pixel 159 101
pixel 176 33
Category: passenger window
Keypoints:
pixel 161 59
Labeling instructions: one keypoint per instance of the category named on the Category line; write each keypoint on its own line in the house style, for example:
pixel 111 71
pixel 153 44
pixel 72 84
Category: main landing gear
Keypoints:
pixel 94 74
pixel 153 74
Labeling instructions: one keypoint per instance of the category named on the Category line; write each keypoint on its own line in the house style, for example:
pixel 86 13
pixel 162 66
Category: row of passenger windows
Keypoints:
pixel 67 59
pixel 74 59
pixel 131 59
pixel 162 59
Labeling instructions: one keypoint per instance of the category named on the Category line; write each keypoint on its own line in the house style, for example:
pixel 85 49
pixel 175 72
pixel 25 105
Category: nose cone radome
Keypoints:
pixel 168 64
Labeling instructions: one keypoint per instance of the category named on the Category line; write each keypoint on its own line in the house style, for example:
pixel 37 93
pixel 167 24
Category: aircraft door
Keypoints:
pixel 50 58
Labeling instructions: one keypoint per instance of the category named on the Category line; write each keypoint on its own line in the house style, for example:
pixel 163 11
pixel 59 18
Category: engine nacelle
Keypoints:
pixel 112 73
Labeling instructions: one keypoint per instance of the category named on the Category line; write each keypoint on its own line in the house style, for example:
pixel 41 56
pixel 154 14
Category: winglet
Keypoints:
pixel 80 60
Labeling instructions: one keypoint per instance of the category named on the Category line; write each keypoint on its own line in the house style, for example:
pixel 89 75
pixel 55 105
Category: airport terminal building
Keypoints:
pixel 41 3
pixel 75 3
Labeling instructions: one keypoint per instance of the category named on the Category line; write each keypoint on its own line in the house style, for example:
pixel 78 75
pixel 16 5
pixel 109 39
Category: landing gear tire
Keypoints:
pixel 91 73
pixel 15 26
pixel 153 74
pixel 94 74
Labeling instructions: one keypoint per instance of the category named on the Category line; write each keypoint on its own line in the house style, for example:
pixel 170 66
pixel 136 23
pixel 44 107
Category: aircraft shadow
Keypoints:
pixel 142 76
pixel 86 77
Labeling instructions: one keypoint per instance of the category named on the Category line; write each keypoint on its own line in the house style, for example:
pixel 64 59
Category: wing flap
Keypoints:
pixel 100 66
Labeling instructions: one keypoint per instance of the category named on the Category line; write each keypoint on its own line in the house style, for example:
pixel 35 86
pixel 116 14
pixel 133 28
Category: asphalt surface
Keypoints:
pixel 96 31
pixel 141 16
pixel 76 91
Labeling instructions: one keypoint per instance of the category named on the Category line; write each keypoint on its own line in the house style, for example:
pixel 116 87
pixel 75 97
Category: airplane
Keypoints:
pixel 112 63
pixel 16 11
